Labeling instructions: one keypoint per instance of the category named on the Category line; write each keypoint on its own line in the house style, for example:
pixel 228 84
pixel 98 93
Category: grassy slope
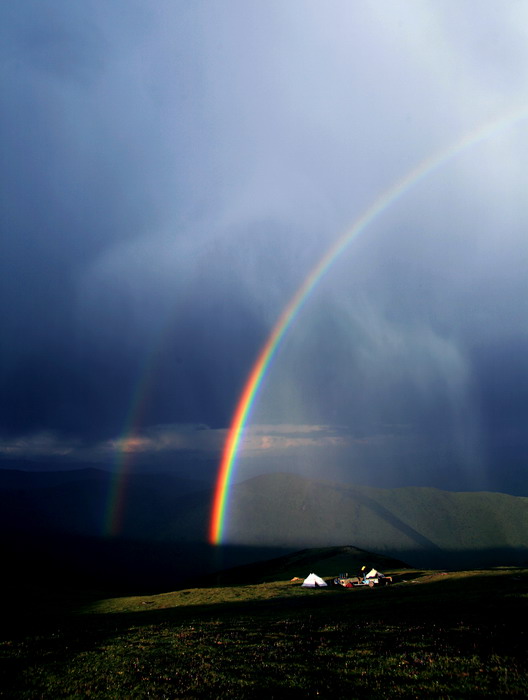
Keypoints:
pixel 431 634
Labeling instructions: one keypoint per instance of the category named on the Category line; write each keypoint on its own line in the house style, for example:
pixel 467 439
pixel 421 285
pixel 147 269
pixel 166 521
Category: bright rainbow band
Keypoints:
pixel 219 511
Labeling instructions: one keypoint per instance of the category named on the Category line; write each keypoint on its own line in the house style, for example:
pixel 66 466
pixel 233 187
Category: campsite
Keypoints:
pixel 263 353
pixel 430 633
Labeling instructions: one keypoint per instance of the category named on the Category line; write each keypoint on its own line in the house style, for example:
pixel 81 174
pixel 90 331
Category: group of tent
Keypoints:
pixel 371 578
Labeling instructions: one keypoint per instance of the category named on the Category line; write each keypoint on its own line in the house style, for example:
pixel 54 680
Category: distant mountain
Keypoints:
pixel 77 502
pixel 54 524
pixel 424 526
pixel 53 531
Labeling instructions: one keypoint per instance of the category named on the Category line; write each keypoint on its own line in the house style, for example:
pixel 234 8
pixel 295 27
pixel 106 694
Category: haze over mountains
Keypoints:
pixel 54 522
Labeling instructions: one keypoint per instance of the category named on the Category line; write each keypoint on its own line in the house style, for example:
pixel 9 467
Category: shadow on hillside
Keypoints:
pixel 382 512
pixel 63 562
pixel 58 562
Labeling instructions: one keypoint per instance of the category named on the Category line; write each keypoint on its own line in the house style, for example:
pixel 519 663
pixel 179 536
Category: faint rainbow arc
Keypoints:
pixel 114 509
pixel 115 502
pixel 254 380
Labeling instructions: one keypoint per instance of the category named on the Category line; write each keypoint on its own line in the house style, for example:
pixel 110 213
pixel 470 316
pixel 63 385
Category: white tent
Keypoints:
pixel 374 574
pixel 314 581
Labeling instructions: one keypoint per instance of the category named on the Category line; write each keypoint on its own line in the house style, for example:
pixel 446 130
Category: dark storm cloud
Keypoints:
pixel 84 169
pixel 171 173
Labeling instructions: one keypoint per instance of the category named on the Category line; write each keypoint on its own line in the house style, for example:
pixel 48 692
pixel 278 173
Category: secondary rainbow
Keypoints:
pixel 219 511
pixel 128 444
pixel 114 510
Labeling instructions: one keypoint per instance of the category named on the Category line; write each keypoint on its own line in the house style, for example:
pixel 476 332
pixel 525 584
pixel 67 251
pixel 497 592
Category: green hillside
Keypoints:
pixel 430 634
pixel 424 526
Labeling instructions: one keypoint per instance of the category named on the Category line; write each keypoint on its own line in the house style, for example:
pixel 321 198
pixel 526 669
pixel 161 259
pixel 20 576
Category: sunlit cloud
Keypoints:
pixel 37 445
pixel 284 438
pixel 198 439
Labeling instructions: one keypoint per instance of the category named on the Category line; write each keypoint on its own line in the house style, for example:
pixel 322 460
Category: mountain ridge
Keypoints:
pixel 423 520
pixel 165 517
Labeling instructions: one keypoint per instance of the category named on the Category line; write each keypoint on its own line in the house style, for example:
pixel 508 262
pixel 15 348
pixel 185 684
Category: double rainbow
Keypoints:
pixel 256 376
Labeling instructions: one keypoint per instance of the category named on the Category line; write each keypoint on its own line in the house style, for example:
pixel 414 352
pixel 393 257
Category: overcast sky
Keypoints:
pixel 172 171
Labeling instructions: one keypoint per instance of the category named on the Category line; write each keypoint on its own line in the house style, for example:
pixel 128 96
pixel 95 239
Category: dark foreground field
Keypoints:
pixel 431 634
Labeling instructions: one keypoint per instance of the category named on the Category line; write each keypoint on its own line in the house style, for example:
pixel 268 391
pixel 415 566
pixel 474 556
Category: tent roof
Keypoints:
pixel 313 581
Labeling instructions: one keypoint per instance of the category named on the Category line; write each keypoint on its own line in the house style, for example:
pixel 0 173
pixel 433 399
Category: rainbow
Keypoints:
pixel 256 376
pixel 113 514
pixel 114 510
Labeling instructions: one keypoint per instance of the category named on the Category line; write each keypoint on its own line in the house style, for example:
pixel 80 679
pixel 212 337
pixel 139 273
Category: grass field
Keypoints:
pixel 433 634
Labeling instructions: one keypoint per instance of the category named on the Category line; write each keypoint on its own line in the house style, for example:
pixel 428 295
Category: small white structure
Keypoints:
pixel 314 581
pixel 373 574
pixel 373 577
